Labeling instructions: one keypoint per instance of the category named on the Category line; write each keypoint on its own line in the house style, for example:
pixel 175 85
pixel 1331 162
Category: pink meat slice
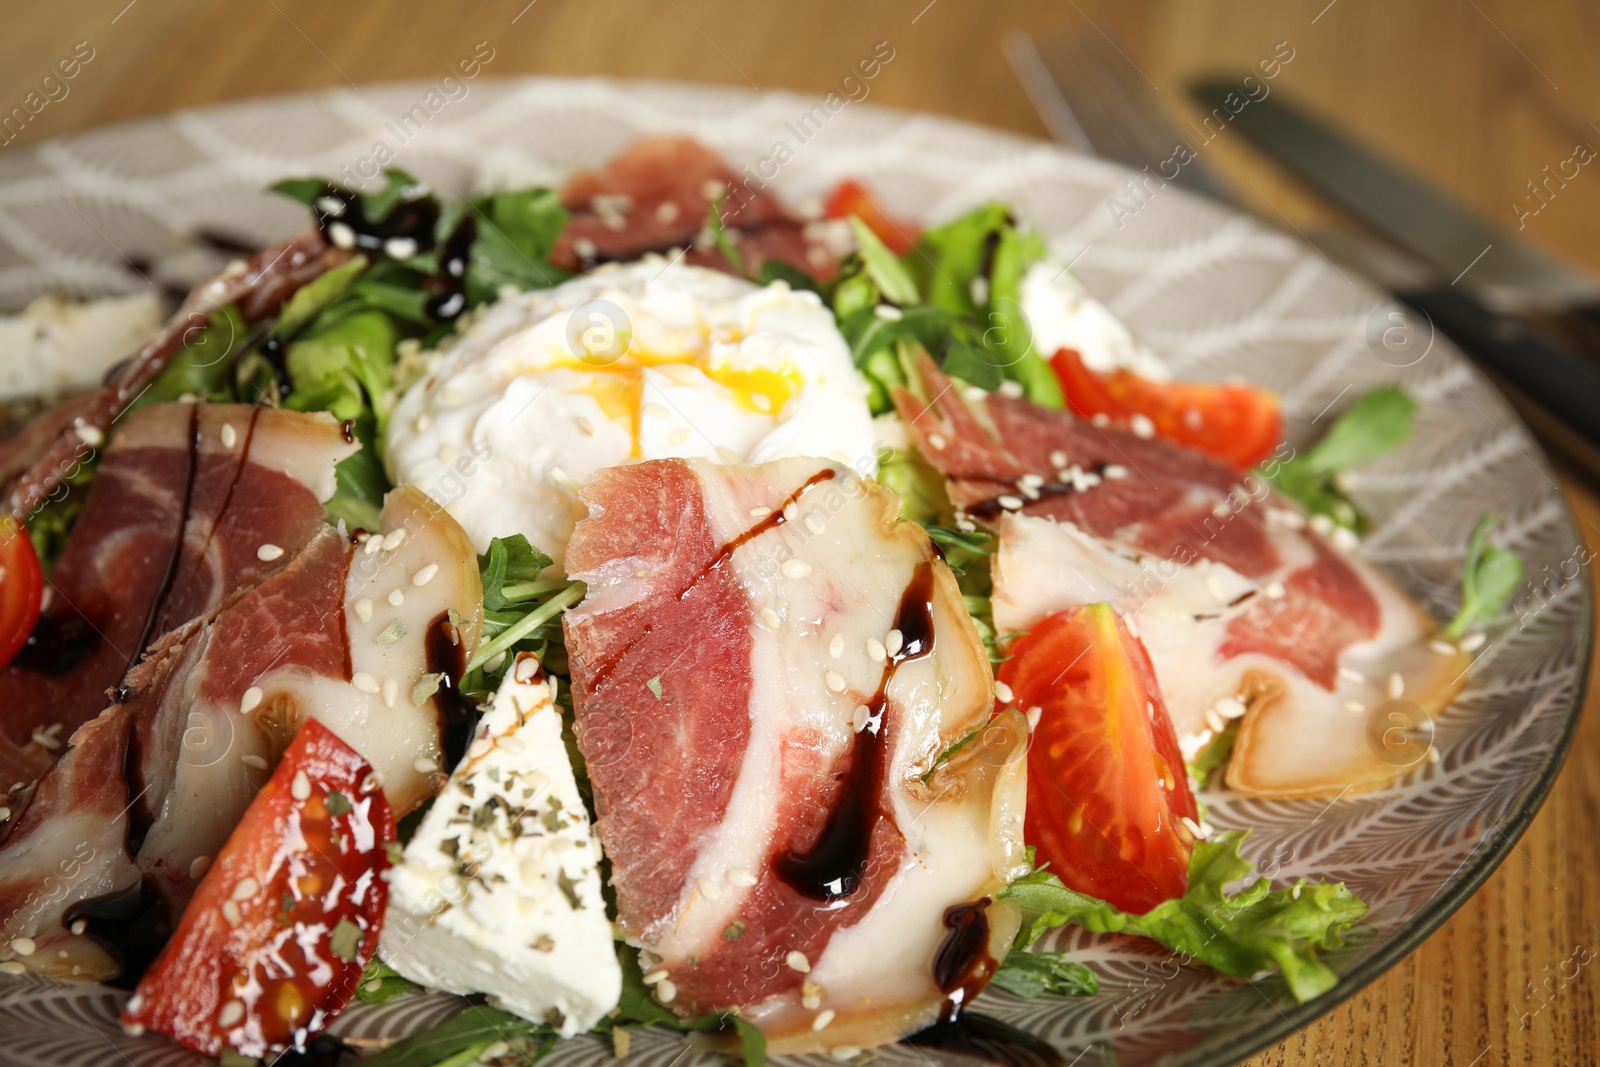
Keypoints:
pixel 167 532
pixel 653 198
pixel 714 709
pixel 1169 501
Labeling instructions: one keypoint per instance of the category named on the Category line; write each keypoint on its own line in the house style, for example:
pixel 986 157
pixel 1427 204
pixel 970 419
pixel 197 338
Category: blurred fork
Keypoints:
pixel 1093 98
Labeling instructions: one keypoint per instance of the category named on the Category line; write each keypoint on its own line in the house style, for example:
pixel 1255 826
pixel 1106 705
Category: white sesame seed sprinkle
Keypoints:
pixel 875 650
pixel 1443 648
pixel 365 682
pixel 835 681
pixel 1354 707
pixel 656 976
pixel 1114 472
pixel 424 765
pixel 425 575
pixel 1141 425
pixel 888 313
pixel 836 646
pixel 796 568
pixel 230 1014
pixel 341 235
pixel 12 967
pixel 394 539
pixel 391 692
pixel 300 786
pixel 893 642
pixel 760 512
pixel 45 739
pixel 230 912
pixel 246 888
pixel 820 1023
pixel 860 717
pixel 1295 892
pixel 400 248
pixel 666 992
pixel 1433 755
pixel 79 926
pixel 1353 676
pixel 1011 389
pixel 1275 591
pixel 1473 641
pixel 1214 721
pixel 1193 827
pixel 229 435
pixel 1214 587
pixel 797 961
pixel 1229 707
pixel 1010 503
pixel 844 1053
pixel 254 761
pixel 937 441
pixel 1002 692
pixel 396 597
pixel 23 946
pixel 199 867
pixel 1344 539
pixel 1035 713
pixel 709 889
pixel 770 617
pixel 1396 687
pixel 268 553
pixel 1058 459
pixel 251 700
pixel 741 878
pixel 372 545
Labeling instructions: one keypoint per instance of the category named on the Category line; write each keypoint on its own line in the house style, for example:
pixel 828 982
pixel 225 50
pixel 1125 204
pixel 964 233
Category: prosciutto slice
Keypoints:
pixel 1244 609
pixel 654 197
pixel 766 669
pixel 205 716
pixel 191 502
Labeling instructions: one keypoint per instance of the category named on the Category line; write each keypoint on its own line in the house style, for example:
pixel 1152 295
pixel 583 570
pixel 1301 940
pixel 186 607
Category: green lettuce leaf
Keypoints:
pixel 1240 934
pixel 509 559
pixel 381 983
pixel 1378 422
pixel 1489 575
pixel 1033 974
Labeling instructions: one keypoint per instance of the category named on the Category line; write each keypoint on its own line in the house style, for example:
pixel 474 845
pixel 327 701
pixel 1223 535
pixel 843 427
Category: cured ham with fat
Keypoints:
pixel 654 197
pixel 1244 609
pixel 766 668
pixel 190 502
pixel 165 774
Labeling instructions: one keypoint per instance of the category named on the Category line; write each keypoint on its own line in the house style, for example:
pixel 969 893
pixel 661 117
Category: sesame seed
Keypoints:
pixel 1058 459
pixel 1295 892
pixel 835 681
pixel 1345 539
pixel 711 188
pixel 875 650
pixel 893 642
pixel 1354 707
pixel 797 962
pixel 822 1020
pixel 300 787
pixel 394 539
pixel 810 1001
pixel 79 926
pixel 1114 471
pixel 1010 503
pixel 328 205
pixel 45 738
pixel 1444 648
pixel 13 967
pixel 199 867
pixel 372 545
pixel 709 889
pixel 1141 426
pixel 230 912
pixel 1010 389
pixel 888 313
pixel 365 682
pixel 257 762
pixel 1320 524
pixel 1433 755
pixel 1029 481
pixel 231 1012
pixel 1214 721
pixel 836 646
pixel 760 512
pixel 796 568
pixel 585 248
pixel 400 248
pixel 770 617
pixel 268 553
pixel 1193 827
pixel 1229 707
pixel 391 692
pixel 1352 676
pixel 666 992
pixel 424 765
pixel 425 575
pixel 1035 713
pixel 229 435
pixel 741 878
pixel 89 435
pixel 247 888
pixel 23 946
pixel 937 441
pixel 656 976
pixel 341 235
pixel 845 1053
pixel 1002 692
pixel 860 717
pixel 250 700
pixel 1214 587
pixel 667 212
pixel 1221 510
pixel 1275 591
pixel 396 597
pixel 1472 642
pixel 1397 686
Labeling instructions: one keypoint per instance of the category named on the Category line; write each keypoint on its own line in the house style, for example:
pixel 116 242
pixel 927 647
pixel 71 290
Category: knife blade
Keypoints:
pixel 1513 273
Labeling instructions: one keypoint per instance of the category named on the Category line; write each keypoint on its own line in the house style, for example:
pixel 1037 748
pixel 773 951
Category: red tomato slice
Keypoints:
pixel 1107 787
pixel 850 197
pixel 279 931
pixel 21 588
pixel 1237 424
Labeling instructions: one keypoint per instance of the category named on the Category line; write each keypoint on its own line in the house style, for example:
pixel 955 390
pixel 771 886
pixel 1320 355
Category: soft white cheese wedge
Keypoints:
pixel 499 891
pixel 1062 314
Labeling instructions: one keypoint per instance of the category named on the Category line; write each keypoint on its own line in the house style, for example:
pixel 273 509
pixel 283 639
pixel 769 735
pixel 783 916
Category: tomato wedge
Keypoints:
pixel 850 197
pixel 1107 788
pixel 21 588
pixel 286 919
pixel 1237 424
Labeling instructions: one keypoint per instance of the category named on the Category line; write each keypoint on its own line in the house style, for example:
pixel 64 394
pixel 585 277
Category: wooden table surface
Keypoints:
pixel 1478 95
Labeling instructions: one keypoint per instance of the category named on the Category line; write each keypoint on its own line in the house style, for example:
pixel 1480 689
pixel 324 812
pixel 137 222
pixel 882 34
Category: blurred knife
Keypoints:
pixel 1520 312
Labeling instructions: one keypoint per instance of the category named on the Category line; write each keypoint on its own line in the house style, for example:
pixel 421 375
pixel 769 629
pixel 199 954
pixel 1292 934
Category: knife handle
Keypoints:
pixel 1546 369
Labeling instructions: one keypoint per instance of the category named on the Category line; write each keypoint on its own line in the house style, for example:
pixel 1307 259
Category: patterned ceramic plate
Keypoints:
pixel 1212 292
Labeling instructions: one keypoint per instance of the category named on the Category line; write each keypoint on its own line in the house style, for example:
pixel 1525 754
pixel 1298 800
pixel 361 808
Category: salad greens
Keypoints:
pixel 1240 934
pixel 1378 422
pixel 1489 575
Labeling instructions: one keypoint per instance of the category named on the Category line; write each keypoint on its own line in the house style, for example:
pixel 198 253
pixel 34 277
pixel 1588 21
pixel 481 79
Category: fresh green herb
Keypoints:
pixel 921 488
pixel 515 233
pixel 509 559
pixel 426 686
pixel 894 282
pixel 381 983
pixel 734 931
pixel 719 234
pixel 1489 575
pixel 1258 928
pixel 1033 974
pixel 1380 421
pixel 654 685
pixel 450 1042
pixel 391 633
pixel 338 804
pixel 1215 754
pixel 961 548
pixel 345 939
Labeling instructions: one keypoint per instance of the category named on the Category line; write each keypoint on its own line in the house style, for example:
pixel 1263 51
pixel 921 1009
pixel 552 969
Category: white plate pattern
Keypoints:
pixel 1214 293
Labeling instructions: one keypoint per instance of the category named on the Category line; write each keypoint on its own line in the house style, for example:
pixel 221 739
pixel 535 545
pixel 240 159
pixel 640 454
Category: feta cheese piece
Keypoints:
pixel 499 891
pixel 1062 314
pixel 54 345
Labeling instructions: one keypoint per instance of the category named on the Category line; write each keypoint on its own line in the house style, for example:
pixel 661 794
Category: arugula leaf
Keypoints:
pixel 345 368
pixel 381 983
pixel 961 548
pixel 1239 934
pixel 1215 754
pixel 921 488
pixel 201 366
pixel 304 190
pixel 317 294
pixel 1033 974
pixel 883 266
pixel 719 234
pixel 752 1040
pixel 1379 421
pixel 509 559
pixel 1489 575
pixel 472 1031
pixel 515 233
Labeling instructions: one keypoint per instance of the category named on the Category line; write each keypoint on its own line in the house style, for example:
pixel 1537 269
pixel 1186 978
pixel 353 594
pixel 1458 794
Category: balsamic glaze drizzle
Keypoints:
pixel 991 508
pixel 412 223
pixel 835 864
pixel 963 965
pixel 458 715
